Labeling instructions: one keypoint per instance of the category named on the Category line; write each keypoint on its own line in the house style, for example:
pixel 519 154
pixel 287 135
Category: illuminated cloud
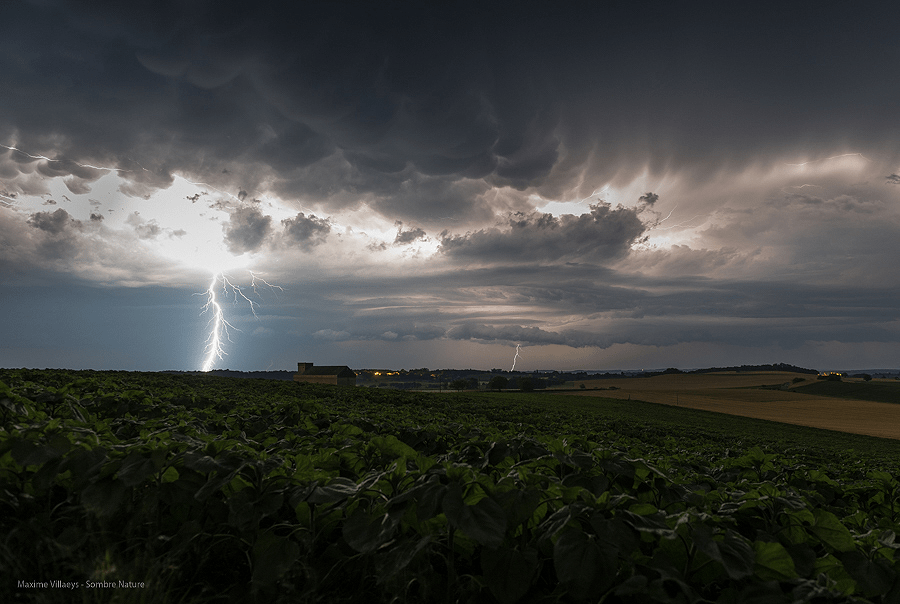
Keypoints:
pixel 247 230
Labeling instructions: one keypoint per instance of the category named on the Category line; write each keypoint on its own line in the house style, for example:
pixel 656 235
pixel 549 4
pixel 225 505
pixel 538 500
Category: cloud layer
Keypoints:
pixel 567 177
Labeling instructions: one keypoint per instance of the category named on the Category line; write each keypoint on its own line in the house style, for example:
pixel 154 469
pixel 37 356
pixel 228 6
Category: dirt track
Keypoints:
pixel 726 393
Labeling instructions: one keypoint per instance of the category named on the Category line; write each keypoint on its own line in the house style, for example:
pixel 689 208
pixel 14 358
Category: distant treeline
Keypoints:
pixel 775 367
pixel 263 375
pixel 544 379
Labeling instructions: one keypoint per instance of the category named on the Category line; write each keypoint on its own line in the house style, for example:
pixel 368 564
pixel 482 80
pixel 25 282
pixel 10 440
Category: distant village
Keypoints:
pixel 449 380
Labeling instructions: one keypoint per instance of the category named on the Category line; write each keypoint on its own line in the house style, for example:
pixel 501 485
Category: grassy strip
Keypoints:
pixel 879 392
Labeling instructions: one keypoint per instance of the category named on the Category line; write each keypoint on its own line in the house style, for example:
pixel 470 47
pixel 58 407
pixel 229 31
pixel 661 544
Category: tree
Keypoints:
pixel 459 384
pixel 526 385
pixel 498 382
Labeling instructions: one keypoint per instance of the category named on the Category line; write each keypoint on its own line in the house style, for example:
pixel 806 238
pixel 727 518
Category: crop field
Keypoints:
pixel 826 405
pixel 130 487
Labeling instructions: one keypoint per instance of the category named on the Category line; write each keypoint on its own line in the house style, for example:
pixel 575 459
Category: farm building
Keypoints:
pixel 326 374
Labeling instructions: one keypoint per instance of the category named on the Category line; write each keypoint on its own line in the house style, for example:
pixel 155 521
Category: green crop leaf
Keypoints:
pixel 338 489
pixel 873 577
pixel 732 551
pixel 508 572
pixel 485 521
pixel 519 504
pixel 428 498
pixel 213 484
pixel 365 532
pixel 170 475
pixel 391 446
pixel 83 464
pixel 273 556
pixel 44 478
pixel 835 570
pixel 830 531
pixel 135 469
pixel 583 565
pixel 643 509
pixel 103 497
pixel 773 561
pixel 397 558
pixel 560 518
pixel 30 453
pixel 616 533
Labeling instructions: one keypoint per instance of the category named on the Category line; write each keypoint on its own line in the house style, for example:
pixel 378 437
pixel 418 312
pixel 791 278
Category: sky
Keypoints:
pixel 612 185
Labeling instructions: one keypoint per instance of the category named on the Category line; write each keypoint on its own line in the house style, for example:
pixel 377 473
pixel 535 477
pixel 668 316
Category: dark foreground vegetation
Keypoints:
pixel 178 488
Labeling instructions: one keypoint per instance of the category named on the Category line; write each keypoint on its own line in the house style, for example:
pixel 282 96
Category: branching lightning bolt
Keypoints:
pixel 219 326
pixel 516 358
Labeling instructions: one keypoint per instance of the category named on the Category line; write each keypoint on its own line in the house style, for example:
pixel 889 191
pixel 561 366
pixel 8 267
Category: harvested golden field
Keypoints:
pixel 734 393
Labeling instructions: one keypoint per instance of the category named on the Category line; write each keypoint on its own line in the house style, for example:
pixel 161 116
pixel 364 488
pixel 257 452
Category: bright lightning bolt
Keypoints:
pixel 516 358
pixel 219 326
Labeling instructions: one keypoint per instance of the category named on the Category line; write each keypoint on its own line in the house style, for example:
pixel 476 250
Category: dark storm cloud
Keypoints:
pixel 408 236
pixel 247 230
pixel 258 95
pixel 305 231
pixel 54 223
pixel 605 233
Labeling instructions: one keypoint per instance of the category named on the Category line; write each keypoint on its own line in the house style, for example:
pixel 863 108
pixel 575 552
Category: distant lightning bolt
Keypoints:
pixel 516 358
pixel 594 192
pixel 219 326
pixel 44 157
pixel 7 201
pixel 832 157
pixel 674 226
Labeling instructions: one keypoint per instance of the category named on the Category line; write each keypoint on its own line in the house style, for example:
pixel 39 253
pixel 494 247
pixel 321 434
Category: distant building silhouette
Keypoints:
pixel 340 375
